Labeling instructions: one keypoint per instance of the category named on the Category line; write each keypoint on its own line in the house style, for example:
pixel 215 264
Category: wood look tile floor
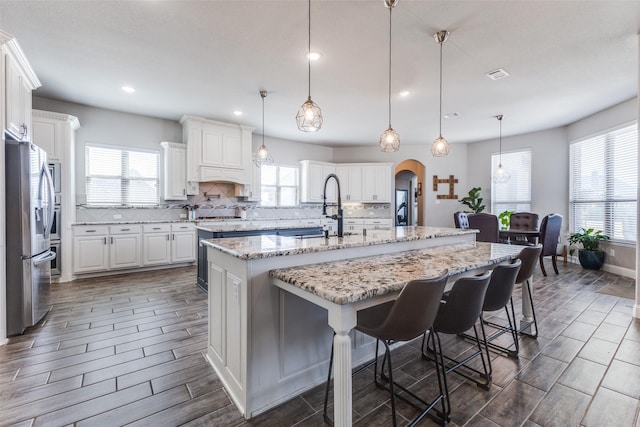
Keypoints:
pixel 129 349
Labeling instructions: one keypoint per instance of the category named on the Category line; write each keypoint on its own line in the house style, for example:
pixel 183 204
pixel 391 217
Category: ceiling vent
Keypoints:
pixel 497 74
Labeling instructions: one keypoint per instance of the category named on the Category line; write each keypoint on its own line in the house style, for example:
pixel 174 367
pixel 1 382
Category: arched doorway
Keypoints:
pixel 409 177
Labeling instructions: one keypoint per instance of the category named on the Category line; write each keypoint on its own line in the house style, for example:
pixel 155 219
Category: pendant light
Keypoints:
pixel 262 156
pixel 500 175
pixel 390 139
pixel 309 117
pixel 440 146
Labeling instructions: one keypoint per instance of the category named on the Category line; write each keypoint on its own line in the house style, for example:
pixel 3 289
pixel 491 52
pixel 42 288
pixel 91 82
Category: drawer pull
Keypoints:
pixel 90 231
pixel 157 228
pixel 125 229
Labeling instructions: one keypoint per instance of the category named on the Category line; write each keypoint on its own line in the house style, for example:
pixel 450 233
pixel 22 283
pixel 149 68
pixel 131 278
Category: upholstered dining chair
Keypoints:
pixel 487 224
pixel 523 221
pixel 410 315
pixel 461 220
pixel 549 235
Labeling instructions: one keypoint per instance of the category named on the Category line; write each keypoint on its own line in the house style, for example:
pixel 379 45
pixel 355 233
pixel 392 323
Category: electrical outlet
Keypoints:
pixel 116 216
pixel 612 252
pixel 183 215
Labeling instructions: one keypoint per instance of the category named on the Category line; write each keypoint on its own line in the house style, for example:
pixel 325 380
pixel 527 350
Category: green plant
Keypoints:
pixel 505 218
pixel 588 238
pixel 473 200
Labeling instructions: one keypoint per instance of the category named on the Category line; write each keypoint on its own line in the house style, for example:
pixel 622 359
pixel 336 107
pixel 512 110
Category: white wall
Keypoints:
pixel 110 127
pixel 437 213
pixel 286 152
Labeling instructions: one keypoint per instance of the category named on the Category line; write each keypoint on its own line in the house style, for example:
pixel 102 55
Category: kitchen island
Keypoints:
pixel 268 345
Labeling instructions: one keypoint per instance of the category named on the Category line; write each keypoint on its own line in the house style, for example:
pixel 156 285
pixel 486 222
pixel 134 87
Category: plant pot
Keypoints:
pixel 591 260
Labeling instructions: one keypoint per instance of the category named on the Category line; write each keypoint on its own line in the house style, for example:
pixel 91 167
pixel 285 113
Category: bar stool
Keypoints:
pixel 498 296
pixel 529 256
pixel 459 311
pixel 404 319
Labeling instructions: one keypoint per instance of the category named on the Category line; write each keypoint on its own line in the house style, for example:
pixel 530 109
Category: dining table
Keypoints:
pixel 508 234
pixel 345 287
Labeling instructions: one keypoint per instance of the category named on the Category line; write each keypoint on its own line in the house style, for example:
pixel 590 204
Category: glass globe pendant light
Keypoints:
pixel 262 156
pixel 500 175
pixel 309 117
pixel 440 146
pixel 390 139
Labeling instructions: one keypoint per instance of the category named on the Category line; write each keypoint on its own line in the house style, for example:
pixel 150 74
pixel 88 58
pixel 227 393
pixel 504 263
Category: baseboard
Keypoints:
pixel 609 268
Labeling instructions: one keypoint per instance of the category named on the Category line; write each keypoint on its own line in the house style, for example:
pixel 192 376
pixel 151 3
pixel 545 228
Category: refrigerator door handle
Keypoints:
pixel 50 195
pixel 45 257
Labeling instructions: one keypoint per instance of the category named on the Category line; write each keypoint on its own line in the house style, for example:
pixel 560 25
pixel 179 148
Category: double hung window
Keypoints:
pixel 121 177
pixel 515 194
pixel 604 183
pixel 279 185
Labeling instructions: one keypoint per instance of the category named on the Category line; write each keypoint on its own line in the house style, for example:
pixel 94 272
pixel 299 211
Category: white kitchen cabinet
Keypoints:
pixel 18 82
pixel 378 224
pixel 125 246
pixel 217 151
pixel 312 177
pixel 376 183
pixel 175 171
pixel 47 134
pixel 352 226
pixel 90 249
pixel 350 176
pixel 156 244
pixel 183 242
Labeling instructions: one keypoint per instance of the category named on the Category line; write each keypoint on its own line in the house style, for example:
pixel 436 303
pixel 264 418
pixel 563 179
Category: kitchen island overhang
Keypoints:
pixel 269 345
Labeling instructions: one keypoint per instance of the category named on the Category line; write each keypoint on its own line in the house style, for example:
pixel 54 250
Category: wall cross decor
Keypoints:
pixel 451 181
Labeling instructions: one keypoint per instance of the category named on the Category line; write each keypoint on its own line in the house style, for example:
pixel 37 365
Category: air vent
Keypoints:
pixel 497 74
pixel 451 115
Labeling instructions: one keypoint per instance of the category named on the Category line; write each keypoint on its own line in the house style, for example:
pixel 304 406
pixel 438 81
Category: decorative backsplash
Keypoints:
pixel 216 199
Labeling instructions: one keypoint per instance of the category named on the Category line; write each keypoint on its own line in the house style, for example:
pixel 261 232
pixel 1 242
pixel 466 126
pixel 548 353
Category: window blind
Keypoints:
pixel 604 183
pixel 116 177
pixel 515 194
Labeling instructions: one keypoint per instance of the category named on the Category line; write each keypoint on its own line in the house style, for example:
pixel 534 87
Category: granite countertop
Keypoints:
pixel 268 225
pixel 256 247
pixel 361 278
pixel 131 222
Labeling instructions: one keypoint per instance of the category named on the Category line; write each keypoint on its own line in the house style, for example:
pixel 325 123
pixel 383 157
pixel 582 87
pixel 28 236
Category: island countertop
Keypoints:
pixel 348 281
pixel 257 247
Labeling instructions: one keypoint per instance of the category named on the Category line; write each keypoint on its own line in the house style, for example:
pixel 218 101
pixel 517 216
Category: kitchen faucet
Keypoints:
pixel 339 216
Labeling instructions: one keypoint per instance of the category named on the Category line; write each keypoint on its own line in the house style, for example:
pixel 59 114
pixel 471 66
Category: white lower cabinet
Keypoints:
pixel 108 248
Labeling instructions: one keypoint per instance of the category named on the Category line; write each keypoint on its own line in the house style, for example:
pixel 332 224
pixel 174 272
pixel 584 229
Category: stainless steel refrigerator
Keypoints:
pixel 29 215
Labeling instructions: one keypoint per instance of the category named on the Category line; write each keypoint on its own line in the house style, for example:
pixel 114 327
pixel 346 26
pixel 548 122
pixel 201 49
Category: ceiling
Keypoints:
pixel 566 59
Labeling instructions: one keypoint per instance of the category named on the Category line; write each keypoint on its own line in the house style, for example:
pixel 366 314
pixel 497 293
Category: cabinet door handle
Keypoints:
pixel 24 130
pixel 112 240
pixel 105 240
pixel 173 237
pixel 184 192
pixel 167 237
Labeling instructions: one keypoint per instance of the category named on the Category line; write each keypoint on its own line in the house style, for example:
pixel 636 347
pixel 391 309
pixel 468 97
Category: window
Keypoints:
pixel 515 194
pixel 279 185
pixel 604 183
pixel 117 177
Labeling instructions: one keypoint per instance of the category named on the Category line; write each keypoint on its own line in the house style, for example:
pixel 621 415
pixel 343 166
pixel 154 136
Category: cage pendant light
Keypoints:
pixel 309 117
pixel 500 175
pixel 262 156
pixel 440 146
pixel 390 139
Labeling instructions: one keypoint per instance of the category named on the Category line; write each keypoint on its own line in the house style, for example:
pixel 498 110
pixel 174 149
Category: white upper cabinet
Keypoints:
pixel 217 151
pixel 376 183
pixel 350 182
pixel 18 80
pixel 54 133
pixel 175 171
pixel 312 177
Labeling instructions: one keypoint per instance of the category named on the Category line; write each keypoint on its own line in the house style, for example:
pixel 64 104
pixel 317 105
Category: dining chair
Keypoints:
pixel 459 311
pixel 410 315
pixel 528 255
pixel 523 221
pixel 549 235
pixel 487 224
pixel 461 220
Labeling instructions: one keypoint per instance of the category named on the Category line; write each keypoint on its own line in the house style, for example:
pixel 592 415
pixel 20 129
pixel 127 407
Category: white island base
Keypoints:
pixel 269 345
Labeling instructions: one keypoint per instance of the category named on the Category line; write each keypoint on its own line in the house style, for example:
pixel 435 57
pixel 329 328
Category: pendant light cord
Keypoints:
pixel 390 9
pixel 309 52
pixel 500 120
pixel 263 94
pixel 440 116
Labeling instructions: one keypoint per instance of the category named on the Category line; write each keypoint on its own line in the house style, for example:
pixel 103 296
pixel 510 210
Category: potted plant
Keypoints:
pixel 590 256
pixel 505 219
pixel 473 200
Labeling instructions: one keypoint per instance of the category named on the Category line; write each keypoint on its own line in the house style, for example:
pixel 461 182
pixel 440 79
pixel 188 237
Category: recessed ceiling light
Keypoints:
pixel 404 93
pixel 451 115
pixel 237 112
pixel 497 74
pixel 128 89
pixel 314 56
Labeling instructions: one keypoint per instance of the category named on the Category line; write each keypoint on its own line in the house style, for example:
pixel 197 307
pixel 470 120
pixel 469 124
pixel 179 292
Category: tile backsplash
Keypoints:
pixel 217 199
